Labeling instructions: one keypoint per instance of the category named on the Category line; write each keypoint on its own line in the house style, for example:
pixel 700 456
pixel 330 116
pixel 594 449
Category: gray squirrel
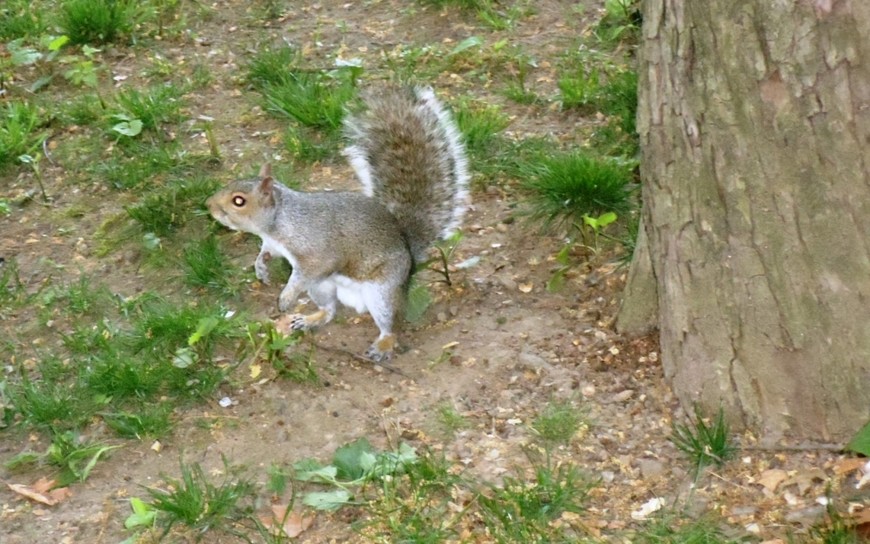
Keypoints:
pixel 360 248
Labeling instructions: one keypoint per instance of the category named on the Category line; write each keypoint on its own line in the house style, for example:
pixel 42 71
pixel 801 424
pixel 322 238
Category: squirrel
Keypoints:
pixel 360 248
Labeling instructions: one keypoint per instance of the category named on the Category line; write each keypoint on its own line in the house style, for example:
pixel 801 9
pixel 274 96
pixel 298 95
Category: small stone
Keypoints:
pixel 623 396
pixel 650 468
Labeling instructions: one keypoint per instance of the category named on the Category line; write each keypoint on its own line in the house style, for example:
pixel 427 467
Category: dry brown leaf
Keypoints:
pixel 294 524
pixel 845 466
pixel 805 479
pixel 771 478
pixel 48 498
pixel 42 485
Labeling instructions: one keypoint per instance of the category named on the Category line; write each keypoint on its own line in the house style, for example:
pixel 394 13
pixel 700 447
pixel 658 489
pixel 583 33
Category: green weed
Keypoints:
pixel 566 187
pixel 835 529
pixel 82 298
pixel 19 131
pixel 581 90
pixel 621 22
pixel 19 19
pixel 521 511
pixel 149 420
pixel 12 290
pixel 120 376
pixel 670 528
pixel 158 106
pixel 83 110
pixel 97 21
pixel 480 126
pixel 69 452
pixel 415 507
pixel 312 98
pixel 271 66
pixel 310 145
pixel 450 420
pixel 165 210
pixel 704 443
pixel 205 265
pixel 53 404
pixel 201 505
pixel 559 422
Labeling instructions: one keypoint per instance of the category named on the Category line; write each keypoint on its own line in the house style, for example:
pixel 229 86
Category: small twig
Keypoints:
pixel 798 447
pixel 385 366
pixel 711 473
pixel 45 151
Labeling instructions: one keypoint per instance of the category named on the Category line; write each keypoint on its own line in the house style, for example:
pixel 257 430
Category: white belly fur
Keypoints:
pixel 350 292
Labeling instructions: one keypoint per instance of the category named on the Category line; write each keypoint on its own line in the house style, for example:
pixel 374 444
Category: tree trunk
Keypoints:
pixel 754 121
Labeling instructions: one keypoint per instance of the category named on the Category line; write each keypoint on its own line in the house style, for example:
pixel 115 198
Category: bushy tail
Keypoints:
pixel 408 154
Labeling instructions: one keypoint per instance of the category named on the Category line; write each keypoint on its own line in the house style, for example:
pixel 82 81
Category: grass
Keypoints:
pixel 20 133
pixel 834 529
pixel 450 420
pixel 704 443
pixel 311 97
pixel 201 505
pixel 12 292
pixel 18 19
pixel 522 511
pixel 155 107
pixel 205 265
pixel 559 422
pixel 164 211
pixel 671 528
pixel 564 187
pixel 97 21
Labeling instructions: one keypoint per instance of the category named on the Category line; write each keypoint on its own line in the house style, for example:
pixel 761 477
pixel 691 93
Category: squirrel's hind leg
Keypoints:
pixel 323 295
pixel 382 301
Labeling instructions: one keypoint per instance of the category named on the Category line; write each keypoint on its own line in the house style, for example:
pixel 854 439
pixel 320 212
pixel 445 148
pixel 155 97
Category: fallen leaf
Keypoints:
pixel 525 287
pixel 845 466
pixel 255 371
pixel 804 480
pixel 292 524
pixel 43 485
pixel 49 498
pixel 771 479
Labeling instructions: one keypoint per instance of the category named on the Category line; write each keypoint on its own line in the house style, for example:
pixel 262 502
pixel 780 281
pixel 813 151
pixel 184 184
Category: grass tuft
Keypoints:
pixel 19 131
pixel 199 504
pixel 165 210
pixel 559 422
pixel 522 511
pixel 670 528
pixel 157 106
pixel 312 99
pixel 97 21
pixel 564 187
pixel 205 265
pixel 19 19
pixel 704 443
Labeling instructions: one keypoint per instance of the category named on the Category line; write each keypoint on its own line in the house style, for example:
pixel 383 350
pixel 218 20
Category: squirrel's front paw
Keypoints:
pixel 298 322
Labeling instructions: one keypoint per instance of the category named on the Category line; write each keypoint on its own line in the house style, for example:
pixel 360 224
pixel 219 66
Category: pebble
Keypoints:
pixel 623 396
pixel 650 468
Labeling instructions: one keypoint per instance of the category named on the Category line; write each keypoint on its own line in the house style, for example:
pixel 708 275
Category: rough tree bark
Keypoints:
pixel 754 120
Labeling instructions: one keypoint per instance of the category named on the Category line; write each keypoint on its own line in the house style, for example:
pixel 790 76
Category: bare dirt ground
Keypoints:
pixel 496 346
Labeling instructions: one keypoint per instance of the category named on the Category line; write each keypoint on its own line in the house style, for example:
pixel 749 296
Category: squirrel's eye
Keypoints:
pixel 238 201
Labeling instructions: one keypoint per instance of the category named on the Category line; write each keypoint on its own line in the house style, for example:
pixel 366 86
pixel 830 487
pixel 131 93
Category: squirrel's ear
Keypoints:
pixel 265 186
pixel 266 171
